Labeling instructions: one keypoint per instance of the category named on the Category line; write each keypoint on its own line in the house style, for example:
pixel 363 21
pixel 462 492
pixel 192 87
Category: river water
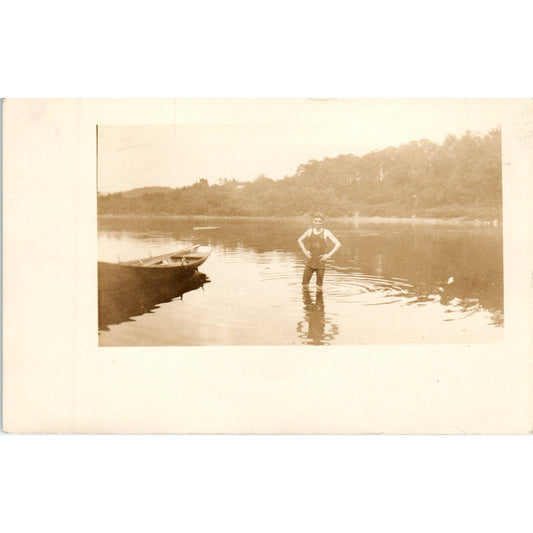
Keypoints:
pixel 388 284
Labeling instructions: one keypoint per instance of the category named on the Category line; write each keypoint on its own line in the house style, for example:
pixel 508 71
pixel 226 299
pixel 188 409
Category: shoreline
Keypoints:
pixel 455 221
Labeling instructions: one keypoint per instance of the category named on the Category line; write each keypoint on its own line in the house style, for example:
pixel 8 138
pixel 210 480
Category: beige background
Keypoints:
pixel 56 379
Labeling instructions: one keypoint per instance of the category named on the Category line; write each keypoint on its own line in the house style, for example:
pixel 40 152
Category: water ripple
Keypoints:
pixel 366 289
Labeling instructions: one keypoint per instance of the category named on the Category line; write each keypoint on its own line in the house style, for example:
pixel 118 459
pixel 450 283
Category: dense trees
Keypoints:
pixel 460 177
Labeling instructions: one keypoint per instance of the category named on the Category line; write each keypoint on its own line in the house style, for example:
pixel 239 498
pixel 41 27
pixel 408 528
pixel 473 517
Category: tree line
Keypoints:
pixel 462 177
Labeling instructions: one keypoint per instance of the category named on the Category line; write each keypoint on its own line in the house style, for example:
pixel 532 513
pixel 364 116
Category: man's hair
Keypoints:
pixel 319 215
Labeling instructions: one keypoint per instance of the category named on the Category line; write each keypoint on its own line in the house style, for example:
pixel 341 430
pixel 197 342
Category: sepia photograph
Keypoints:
pixel 374 222
pixel 291 266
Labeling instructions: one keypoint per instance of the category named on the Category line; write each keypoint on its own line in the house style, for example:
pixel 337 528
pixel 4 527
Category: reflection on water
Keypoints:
pixel 315 328
pixel 397 283
pixel 116 306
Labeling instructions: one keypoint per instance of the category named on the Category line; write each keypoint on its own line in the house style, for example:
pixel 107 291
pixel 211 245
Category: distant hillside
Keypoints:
pixel 462 177
pixel 134 193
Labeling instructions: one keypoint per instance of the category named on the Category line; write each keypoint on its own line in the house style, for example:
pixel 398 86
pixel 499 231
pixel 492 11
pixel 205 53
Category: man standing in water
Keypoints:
pixel 314 244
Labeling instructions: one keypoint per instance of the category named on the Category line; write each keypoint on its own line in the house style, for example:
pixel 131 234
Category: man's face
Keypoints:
pixel 317 222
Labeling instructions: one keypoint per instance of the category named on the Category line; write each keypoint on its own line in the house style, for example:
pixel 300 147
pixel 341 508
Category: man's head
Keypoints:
pixel 318 220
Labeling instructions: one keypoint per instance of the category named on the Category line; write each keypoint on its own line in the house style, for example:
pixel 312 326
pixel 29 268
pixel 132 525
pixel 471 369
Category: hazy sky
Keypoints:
pixel 240 140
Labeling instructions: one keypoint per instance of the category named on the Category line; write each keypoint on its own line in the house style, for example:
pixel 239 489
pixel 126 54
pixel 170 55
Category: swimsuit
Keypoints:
pixel 317 247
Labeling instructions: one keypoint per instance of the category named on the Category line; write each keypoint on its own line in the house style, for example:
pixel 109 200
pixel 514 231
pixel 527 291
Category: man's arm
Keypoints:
pixel 335 242
pixel 306 252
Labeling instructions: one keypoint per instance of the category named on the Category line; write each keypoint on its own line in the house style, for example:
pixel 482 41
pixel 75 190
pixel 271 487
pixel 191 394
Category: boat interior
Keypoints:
pixel 183 257
pixel 171 260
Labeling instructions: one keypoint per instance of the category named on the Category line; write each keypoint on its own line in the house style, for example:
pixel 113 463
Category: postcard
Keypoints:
pixel 286 266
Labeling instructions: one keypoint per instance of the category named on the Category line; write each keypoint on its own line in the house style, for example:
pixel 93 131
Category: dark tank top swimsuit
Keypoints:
pixel 317 247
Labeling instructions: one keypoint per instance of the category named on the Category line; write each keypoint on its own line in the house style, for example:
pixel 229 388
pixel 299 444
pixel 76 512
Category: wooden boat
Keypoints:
pixel 163 268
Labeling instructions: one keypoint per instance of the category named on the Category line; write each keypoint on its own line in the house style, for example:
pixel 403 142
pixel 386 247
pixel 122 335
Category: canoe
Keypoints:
pixel 164 268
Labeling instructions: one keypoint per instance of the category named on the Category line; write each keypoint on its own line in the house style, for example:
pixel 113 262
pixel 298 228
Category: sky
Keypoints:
pixel 242 139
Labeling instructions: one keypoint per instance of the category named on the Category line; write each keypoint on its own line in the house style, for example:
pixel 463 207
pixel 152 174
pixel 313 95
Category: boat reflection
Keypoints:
pixel 116 306
pixel 315 328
